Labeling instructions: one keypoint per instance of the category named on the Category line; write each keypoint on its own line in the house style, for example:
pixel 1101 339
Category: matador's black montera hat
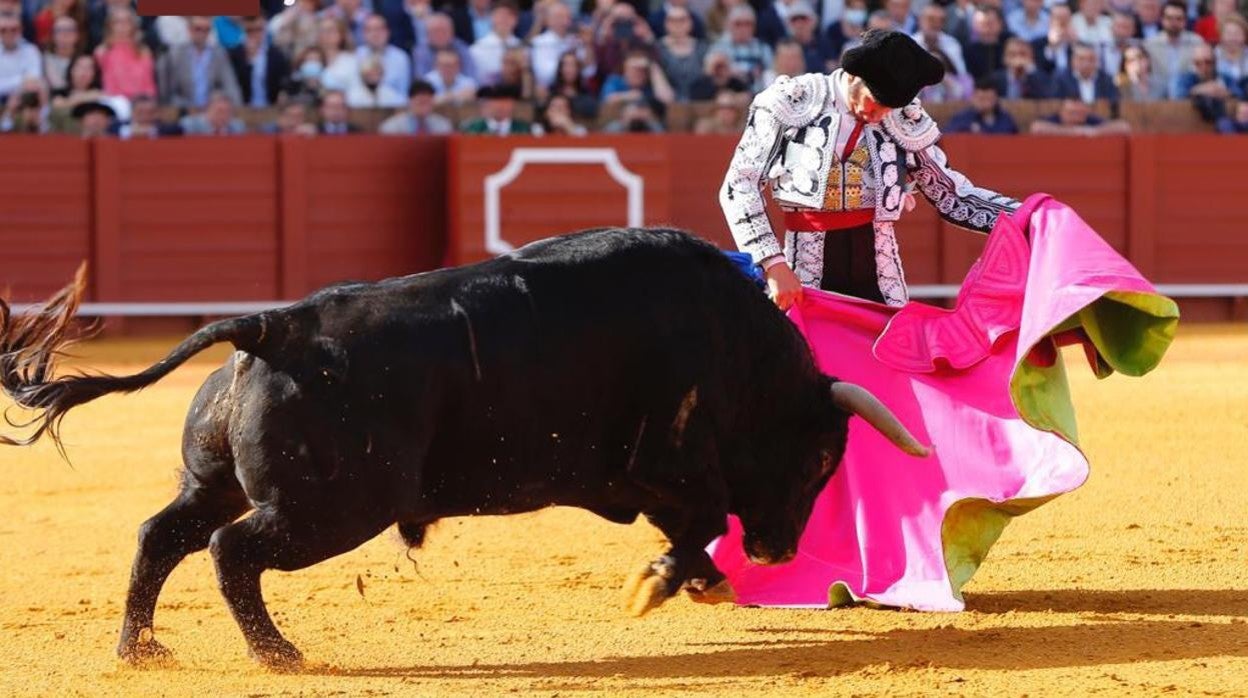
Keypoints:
pixel 893 65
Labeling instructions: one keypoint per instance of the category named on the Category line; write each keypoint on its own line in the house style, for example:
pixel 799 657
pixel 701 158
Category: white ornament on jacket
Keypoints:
pixel 790 142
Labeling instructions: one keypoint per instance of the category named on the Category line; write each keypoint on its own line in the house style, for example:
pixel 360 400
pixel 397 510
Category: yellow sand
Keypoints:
pixel 1135 584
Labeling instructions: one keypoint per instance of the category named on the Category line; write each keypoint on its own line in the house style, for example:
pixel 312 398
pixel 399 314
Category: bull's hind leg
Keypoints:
pixel 210 498
pixel 270 540
pixel 178 530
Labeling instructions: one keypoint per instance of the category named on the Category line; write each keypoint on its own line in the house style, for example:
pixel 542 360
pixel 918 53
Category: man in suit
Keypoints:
pixel 985 114
pixel 931 36
pixel 217 119
pixel 190 72
pixel 144 121
pixel 334 115
pixel 1020 78
pixel 986 51
pixel 259 65
pixel 498 107
pixel 1075 118
pixel 1053 51
pixel 1171 50
pixel 1085 80
pixel 441 36
pixel 418 119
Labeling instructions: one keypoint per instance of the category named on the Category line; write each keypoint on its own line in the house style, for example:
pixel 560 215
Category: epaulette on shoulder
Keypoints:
pixel 795 101
pixel 912 127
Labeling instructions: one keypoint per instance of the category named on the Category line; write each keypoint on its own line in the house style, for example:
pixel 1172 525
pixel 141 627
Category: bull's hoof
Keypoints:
pixel 650 594
pixel 647 588
pixel 278 655
pixel 142 651
pixel 720 593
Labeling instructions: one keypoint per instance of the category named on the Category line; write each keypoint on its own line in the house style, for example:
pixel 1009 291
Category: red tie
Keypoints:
pixel 853 140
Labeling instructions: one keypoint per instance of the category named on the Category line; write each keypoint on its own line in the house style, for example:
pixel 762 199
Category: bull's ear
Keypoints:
pixel 856 399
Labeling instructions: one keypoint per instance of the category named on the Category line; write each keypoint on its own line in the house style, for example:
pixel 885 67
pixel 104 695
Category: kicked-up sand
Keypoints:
pixel 1135 584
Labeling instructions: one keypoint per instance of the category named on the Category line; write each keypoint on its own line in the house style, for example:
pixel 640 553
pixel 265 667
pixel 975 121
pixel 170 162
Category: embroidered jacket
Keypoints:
pixel 790 141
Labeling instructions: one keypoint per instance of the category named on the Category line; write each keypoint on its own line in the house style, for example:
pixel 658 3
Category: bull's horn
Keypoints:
pixel 856 399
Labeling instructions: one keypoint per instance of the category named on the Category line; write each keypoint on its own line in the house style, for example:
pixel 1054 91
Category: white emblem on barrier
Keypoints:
pixel 632 183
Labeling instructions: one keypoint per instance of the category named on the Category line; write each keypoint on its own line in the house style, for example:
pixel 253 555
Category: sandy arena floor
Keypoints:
pixel 1136 584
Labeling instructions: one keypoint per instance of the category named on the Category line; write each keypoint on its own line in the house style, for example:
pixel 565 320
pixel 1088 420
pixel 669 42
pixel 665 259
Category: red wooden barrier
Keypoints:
pixel 45 213
pixel 188 219
pixel 257 218
pixel 360 208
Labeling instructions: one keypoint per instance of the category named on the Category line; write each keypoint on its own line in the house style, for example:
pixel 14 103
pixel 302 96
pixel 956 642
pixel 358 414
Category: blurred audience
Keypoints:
pixel 145 121
pixel 1136 80
pixel 217 118
pixel 498 114
pixel 19 59
pixel 680 53
pixel 94 119
pixel 416 66
pixel 418 119
pixel 556 119
pixel 1171 49
pixel 1075 118
pixel 1085 80
pixel 1020 78
pixel 127 66
pixel 396 65
pixel 189 73
pixel 66 43
pixel 985 114
pixel 727 118
pixel 335 115
pixel 1235 124
pixel 639 116
pixel 440 35
pixel 750 58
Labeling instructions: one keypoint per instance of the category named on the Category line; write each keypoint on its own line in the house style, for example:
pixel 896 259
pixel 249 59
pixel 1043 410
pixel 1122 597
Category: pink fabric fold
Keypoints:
pixel 878 530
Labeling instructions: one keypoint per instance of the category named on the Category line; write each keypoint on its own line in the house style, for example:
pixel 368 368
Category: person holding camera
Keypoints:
pixel 621 33
pixel 26 110
pixel 639 116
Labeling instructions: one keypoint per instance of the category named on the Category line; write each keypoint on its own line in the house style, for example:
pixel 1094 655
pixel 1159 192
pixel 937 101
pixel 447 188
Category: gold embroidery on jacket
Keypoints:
pixel 845 190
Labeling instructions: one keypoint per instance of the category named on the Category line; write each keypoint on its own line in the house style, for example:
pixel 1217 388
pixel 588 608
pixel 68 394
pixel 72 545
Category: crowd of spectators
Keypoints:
pixel 97 68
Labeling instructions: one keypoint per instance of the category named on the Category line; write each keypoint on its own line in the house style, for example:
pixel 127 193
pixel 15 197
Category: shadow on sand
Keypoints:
pixel 812 652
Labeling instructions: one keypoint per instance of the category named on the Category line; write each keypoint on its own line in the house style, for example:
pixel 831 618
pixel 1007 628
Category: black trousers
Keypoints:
pixel 849 263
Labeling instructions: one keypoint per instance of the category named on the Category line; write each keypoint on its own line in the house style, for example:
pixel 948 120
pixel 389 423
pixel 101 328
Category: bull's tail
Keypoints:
pixel 31 343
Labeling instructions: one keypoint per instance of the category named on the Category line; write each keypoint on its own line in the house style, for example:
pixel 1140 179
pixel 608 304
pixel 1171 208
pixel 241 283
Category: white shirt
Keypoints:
pixel 1026 29
pixel 1235 69
pixel 845 126
pixel 342 74
pixel 831 13
pixel 548 47
pixel 1087 89
pixel 462 82
pixel 498 128
pixel 1098 33
pixel 175 31
pixel 948 46
pixel 487 54
pixel 385 97
pixel 396 66
pixel 22 62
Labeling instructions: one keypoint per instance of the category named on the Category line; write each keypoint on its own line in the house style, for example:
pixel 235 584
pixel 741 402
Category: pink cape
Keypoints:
pixel 985 385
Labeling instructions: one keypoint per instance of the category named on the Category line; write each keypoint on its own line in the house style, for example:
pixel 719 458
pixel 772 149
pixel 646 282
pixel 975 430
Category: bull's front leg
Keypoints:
pixel 684 566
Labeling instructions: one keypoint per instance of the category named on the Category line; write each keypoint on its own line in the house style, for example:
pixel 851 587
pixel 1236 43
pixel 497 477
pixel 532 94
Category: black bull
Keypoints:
pixel 621 371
